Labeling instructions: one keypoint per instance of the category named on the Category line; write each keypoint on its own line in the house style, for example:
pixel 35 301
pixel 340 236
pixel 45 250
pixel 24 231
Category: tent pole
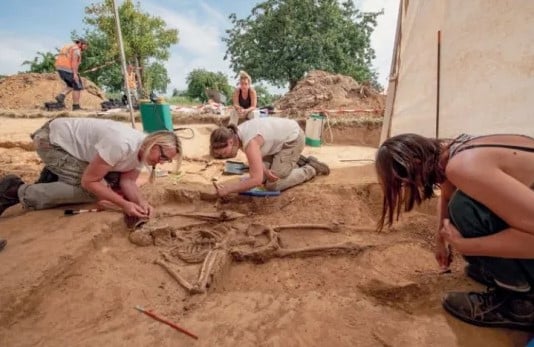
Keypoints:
pixel 123 62
pixel 393 79
pixel 438 83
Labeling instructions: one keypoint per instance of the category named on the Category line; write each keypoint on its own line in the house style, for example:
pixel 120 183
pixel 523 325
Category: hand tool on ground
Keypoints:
pixel 162 320
pixel 235 168
pixel 73 212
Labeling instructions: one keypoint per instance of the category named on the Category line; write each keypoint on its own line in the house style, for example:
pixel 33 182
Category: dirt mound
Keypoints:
pixel 32 90
pixel 338 94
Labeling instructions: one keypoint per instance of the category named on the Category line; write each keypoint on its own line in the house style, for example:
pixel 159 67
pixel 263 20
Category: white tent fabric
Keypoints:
pixel 486 74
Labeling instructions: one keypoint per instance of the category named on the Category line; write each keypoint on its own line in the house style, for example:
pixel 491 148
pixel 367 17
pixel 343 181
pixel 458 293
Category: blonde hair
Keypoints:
pixel 244 76
pixel 165 139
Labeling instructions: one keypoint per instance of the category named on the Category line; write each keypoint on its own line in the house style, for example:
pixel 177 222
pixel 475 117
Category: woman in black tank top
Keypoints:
pixel 485 212
pixel 244 100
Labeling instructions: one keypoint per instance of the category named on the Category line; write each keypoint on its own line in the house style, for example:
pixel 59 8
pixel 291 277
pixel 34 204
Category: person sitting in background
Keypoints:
pixel 273 147
pixel 485 211
pixel 244 100
pixel 80 154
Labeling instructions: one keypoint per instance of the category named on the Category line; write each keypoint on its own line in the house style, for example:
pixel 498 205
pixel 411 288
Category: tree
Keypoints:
pixel 264 97
pixel 199 79
pixel 43 62
pixel 100 61
pixel 145 39
pixel 281 40
pixel 156 78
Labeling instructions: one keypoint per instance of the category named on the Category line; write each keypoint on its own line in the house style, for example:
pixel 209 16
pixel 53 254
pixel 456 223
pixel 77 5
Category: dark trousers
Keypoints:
pixel 472 219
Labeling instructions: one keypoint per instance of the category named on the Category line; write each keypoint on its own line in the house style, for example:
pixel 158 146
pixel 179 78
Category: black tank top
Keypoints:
pixel 457 144
pixel 245 103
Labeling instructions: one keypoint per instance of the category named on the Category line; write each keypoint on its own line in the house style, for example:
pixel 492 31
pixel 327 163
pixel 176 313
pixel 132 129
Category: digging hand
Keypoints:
pixel 219 189
pixel 452 236
pixel 271 177
pixel 443 253
pixel 149 210
pixel 133 209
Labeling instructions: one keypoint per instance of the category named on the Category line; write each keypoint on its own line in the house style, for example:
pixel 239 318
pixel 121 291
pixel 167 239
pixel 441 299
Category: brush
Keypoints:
pixel 73 212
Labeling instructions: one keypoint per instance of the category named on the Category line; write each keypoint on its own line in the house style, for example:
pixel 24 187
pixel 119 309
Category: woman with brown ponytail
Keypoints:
pixel 485 212
pixel 273 147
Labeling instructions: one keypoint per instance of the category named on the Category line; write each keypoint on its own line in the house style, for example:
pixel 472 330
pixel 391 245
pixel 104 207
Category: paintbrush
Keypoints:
pixel 73 212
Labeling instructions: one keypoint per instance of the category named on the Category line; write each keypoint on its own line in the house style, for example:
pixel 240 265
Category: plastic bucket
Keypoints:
pixel 314 130
pixel 155 117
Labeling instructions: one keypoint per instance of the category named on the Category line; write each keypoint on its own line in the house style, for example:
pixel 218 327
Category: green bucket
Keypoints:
pixel 155 117
pixel 314 130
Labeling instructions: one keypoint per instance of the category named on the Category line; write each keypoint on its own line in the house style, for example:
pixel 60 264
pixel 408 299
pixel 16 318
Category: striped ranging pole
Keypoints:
pixel 123 61
pixel 438 83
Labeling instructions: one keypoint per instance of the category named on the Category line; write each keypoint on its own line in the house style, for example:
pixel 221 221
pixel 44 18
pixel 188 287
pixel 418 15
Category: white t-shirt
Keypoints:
pixel 275 132
pixel 116 143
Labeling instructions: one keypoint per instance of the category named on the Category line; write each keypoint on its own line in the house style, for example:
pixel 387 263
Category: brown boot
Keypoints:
pixel 320 167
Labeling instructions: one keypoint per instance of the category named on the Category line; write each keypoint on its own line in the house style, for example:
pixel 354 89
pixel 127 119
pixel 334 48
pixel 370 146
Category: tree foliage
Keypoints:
pixel 281 40
pixel 199 79
pixel 156 78
pixel 43 62
pixel 146 41
pixel 265 98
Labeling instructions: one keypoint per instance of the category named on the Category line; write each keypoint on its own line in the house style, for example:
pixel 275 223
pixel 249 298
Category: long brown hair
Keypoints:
pixel 408 169
pixel 220 136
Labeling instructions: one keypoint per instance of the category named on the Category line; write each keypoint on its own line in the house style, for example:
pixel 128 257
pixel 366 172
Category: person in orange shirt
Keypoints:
pixel 132 83
pixel 67 63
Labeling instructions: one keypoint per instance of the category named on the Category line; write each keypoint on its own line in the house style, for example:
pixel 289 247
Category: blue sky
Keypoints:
pixel 29 26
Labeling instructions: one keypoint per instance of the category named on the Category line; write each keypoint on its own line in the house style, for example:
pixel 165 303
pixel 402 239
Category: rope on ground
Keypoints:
pixel 183 136
pixel 329 127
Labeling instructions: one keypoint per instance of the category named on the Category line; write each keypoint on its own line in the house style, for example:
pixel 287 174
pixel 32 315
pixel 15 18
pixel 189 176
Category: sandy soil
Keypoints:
pixel 74 281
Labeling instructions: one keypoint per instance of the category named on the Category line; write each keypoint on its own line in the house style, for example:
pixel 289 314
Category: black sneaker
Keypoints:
pixel 495 308
pixel 320 167
pixel 477 273
pixel 76 107
pixel 8 191
pixel 60 98
pixel 47 176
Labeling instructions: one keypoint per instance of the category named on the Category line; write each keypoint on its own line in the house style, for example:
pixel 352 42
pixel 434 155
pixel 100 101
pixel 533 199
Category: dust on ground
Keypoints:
pixel 76 280
pixel 32 90
pixel 320 90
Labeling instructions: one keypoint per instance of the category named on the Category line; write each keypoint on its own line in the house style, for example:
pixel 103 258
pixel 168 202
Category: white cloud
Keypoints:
pixel 200 45
pixel 214 13
pixel 18 48
pixel 197 35
pixel 383 37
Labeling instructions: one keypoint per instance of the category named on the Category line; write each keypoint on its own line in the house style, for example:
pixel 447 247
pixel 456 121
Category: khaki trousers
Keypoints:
pixel 234 116
pixel 284 165
pixel 67 190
